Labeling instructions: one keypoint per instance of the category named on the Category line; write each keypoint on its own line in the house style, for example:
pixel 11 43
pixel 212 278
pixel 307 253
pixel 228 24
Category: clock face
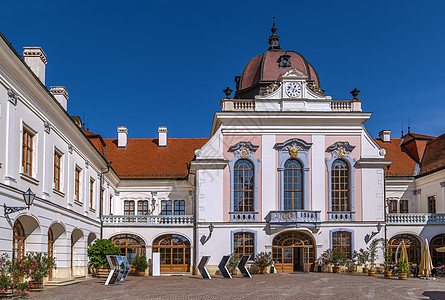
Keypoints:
pixel 293 89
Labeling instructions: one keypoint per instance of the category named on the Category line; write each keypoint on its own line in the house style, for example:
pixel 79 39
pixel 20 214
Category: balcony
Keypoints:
pixel 243 216
pixel 294 218
pixel 341 216
pixel 415 219
pixel 174 220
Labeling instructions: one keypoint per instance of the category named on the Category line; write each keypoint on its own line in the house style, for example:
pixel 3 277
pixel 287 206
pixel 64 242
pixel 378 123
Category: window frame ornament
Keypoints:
pixel 244 150
pixel 342 151
pixel 12 96
pixel 299 150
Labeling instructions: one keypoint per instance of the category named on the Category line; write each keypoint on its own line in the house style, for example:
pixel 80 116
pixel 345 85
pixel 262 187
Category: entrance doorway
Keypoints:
pixel 293 251
pixel 175 252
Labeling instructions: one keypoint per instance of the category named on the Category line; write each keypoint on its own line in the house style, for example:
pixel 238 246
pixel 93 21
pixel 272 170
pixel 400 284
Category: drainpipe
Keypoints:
pixel 101 195
pixel 195 259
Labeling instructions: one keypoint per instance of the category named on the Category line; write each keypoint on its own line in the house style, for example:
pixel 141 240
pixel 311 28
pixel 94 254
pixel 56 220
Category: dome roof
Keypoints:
pixel 266 68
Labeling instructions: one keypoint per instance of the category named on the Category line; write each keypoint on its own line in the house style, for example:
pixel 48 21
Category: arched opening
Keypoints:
pixel 131 245
pixel 91 238
pixel 76 252
pixel 25 236
pixel 412 247
pixel 293 251
pixel 438 241
pixel 175 251
pixel 56 244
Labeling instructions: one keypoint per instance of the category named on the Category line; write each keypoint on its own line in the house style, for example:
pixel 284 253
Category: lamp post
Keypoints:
pixel 28 197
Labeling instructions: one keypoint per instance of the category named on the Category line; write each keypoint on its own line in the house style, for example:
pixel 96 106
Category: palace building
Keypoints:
pixel 287 169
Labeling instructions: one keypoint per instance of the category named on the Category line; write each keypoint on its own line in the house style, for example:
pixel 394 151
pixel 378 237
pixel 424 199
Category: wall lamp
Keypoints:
pixel 28 197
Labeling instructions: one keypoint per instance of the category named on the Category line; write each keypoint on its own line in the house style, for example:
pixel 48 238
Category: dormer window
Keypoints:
pixel 284 61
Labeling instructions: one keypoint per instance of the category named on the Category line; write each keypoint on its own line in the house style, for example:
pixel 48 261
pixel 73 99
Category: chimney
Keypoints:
pixel 162 141
pixel 35 58
pixel 61 95
pixel 122 132
pixel 385 135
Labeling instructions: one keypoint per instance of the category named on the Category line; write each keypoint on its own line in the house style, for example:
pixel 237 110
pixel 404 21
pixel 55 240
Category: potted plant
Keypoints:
pixel 372 250
pixel 233 263
pixel 335 257
pixel 140 264
pixel 263 260
pixel 388 260
pixel 97 253
pixel 402 268
pixel 39 266
pixel 362 257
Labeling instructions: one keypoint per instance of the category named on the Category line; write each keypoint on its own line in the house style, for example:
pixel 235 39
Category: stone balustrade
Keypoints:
pixel 237 105
pixel 346 105
pixel 415 219
pixel 243 216
pixel 299 217
pixel 341 216
pixel 142 220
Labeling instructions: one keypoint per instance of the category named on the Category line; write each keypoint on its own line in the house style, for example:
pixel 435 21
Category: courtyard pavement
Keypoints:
pixel 268 286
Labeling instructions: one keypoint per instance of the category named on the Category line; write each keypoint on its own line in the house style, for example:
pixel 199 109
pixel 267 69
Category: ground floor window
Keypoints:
pixel 438 258
pixel 342 240
pixel 244 243
pixel 131 245
pixel 18 240
pixel 174 251
pixel 293 251
pixel 412 247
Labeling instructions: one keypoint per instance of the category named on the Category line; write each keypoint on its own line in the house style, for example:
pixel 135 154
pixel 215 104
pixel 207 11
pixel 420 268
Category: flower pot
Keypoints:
pixel 402 276
pixel 103 272
pixel 36 285
pixel 8 293
pixel 336 269
pixel 262 270
pixel 141 273
pixel 365 270
pixel 387 274
pixel 371 272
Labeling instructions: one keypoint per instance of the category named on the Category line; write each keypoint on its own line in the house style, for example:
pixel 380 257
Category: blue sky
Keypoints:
pixel 143 64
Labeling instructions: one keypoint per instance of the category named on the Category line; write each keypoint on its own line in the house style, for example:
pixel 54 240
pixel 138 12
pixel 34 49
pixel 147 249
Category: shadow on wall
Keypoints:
pixel 434 295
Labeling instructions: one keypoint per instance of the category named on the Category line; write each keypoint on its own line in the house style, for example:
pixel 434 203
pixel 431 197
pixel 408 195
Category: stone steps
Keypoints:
pixel 63 281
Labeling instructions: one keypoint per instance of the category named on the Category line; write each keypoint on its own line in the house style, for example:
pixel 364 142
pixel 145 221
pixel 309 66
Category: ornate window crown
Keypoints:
pixel 341 149
pixel 244 149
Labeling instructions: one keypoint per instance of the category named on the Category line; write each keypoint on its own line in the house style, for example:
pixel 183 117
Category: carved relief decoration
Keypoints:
pixel 47 127
pixel 244 149
pixel 270 88
pixel 341 149
pixel 12 97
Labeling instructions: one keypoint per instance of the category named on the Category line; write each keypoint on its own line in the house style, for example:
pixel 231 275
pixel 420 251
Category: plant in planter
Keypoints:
pixel 362 257
pixel 387 255
pixel 372 249
pixel 402 268
pixel 334 257
pixel 140 264
pixel 39 267
pixel 263 260
pixel 97 253
pixel 233 263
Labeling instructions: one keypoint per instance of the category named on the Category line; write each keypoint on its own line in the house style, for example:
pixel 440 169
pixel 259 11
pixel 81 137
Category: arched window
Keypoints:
pixel 342 240
pixel 50 249
pixel 129 207
pixel 131 245
pixel 437 257
pixel 340 186
pixel 412 247
pixel 174 251
pixel 18 240
pixel 143 207
pixel 244 243
pixel 179 207
pixel 293 185
pixel 243 186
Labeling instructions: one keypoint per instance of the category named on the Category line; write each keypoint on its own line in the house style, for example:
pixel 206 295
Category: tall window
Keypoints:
pixel 243 186
pixel 392 207
pixel 243 243
pixel 166 207
pixel 342 240
pixel 403 206
pixel 293 185
pixel 57 157
pixel 129 207
pixel 143 207
pixel 18 240
pixel 111 201
pixel 91 192
pixel 432 204
pixel 27 152
pixel 77 184
pixel 179 207
pixel 340 186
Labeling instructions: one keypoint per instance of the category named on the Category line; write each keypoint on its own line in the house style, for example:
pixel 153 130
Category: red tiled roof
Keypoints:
pixel 142 158
pixel 402 164
pixel 434 157
pixel 96 140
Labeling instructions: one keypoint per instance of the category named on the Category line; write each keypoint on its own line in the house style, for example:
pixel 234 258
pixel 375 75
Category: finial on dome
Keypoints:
pixel 273 39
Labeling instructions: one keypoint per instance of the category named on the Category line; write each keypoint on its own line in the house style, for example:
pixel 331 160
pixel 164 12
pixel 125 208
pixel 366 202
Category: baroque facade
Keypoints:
pixel 287 170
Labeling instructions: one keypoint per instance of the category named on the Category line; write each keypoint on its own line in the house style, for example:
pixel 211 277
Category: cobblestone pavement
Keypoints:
pixel 268 286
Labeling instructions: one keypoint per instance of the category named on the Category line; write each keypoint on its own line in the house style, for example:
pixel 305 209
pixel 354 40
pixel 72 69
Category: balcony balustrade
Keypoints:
pixel 244 217
pixel 341 216
pixel 294 218
pixel 415 219
pixel 142 220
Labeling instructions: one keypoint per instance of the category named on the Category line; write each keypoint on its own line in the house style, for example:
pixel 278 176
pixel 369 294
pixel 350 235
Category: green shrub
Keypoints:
pixel 98 251
pixel 233 262
pixel 263 260
pixel 140 263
